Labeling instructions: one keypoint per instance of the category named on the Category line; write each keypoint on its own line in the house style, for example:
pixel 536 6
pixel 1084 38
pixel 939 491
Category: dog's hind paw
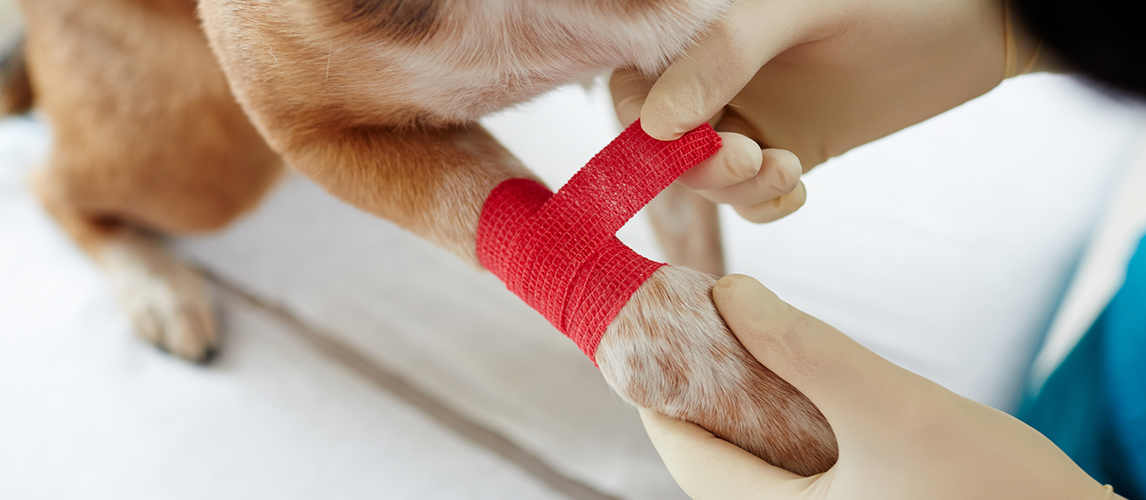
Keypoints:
pixel 168 302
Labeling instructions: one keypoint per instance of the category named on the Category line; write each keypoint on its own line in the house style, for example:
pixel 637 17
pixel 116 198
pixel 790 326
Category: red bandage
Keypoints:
pixel 558 251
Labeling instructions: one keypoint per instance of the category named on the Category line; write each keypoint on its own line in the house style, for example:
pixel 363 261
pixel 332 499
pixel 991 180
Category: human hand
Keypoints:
pixel 900 435
pixel 817 78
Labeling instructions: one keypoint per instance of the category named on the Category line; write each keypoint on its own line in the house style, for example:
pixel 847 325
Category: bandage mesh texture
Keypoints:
pixel 559 252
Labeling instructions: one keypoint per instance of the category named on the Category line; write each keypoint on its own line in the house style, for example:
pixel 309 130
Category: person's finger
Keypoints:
pixel 777 175
pixel 724 59
pixel 738 160
pixel 629 88
pixel 707 467
pixel 861 394
pixel 776 208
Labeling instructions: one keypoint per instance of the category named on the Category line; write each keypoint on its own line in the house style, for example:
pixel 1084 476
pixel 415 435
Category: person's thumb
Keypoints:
pixel 707 467
pixel 855 388
pixel 717 67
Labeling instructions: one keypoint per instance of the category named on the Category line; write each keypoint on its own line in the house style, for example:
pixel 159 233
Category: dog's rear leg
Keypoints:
pixel 167 302
pixel 147 140
pixel 687 226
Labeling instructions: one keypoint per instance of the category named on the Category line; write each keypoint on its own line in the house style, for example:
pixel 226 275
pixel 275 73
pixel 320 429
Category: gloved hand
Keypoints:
pixel 900 435
pixel 817 78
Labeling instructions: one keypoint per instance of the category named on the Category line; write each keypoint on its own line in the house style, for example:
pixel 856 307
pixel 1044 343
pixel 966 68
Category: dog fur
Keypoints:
pixel 167 126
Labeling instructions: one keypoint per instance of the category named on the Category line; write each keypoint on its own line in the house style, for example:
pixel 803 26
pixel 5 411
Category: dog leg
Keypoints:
pixel 668 349
pixel 147 139
pixel 166 301
pixel 687 226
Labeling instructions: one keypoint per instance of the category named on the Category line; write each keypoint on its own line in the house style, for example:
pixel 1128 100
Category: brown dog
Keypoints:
pixel 162 125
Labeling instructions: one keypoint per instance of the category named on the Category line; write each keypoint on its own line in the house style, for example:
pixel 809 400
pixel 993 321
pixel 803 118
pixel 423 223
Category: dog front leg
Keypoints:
pixel 431 182
pixel 667 348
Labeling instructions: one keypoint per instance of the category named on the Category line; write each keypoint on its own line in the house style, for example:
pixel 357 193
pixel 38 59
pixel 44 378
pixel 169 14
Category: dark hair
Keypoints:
pixel 1103 39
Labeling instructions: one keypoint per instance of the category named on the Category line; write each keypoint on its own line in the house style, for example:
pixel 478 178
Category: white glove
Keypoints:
pixel 900 435
pixel 817 78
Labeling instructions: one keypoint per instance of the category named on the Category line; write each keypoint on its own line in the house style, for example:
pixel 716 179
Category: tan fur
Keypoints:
pixel 377 101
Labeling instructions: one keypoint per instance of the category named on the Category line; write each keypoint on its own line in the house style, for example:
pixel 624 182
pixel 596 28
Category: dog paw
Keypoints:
pixel 669 350
pixel 167 301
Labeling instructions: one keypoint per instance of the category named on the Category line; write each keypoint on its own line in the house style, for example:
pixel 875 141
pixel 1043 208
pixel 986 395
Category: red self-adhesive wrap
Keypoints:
pixel 558 251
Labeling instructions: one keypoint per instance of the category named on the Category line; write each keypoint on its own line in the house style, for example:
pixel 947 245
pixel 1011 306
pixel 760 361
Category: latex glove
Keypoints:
pixel 817 78
pixel 900 435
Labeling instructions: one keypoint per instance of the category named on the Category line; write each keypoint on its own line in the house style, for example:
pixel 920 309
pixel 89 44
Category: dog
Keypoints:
pixel 175 116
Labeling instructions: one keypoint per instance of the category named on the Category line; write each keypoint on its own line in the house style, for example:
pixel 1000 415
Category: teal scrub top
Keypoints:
pixel 1093 405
